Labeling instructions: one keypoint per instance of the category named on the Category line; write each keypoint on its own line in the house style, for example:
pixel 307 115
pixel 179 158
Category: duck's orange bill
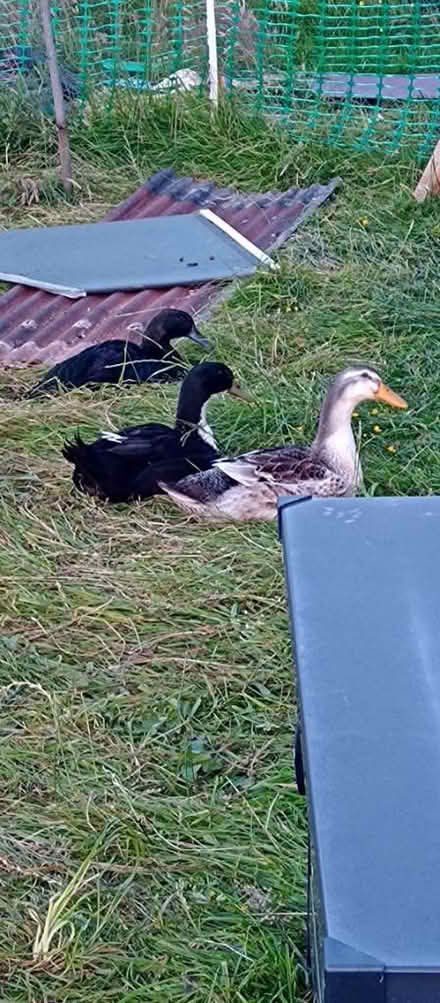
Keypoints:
pixel 383 393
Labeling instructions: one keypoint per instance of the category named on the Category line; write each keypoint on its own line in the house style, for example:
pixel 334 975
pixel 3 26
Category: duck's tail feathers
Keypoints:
pixel 11 394
pixel 75 452
pixel 36 391
pixel 84 475
pixel 47 387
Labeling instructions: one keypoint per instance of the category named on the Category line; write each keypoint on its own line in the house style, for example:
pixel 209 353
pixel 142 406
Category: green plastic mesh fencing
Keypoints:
pixel 362 72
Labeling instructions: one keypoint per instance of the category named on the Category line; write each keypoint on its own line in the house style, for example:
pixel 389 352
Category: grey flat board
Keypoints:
pixel 376 88
pixel 364 596
pixel 129 255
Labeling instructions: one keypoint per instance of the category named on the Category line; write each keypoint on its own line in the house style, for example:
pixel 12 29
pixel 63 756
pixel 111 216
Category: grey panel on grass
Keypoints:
pixel 135 254
pixel 374 87
pixel 364 600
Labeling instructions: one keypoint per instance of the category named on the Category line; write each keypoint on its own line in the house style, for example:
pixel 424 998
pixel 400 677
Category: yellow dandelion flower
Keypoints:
pixel 375 410
pixel 391 449
pixel 377 429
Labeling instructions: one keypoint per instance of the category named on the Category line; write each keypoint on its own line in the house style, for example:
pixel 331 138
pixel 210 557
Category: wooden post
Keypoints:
pixel 429 183
pixel 58 99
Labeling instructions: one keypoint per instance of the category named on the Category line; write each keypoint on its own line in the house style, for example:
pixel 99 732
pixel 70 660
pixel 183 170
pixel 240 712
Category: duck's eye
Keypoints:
pixel 365 376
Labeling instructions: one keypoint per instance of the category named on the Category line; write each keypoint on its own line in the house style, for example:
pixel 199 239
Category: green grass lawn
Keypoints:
pixel 146 700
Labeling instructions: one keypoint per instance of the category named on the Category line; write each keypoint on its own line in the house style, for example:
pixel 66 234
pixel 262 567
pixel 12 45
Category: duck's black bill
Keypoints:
pixel 237 391
pixel 195 335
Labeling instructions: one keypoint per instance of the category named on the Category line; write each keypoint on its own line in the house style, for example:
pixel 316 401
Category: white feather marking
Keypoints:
pixel 205 430
pixel 112 437
pixel 239 470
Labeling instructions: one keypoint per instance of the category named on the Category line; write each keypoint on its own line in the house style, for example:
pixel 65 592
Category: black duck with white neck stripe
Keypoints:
pixel 129 464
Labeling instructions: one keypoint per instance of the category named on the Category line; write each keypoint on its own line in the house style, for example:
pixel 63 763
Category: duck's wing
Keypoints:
pixel 271 464
pixel 52 383
pixel 169 470
pixel 248 469
pixel 104 363
pixel 87 366
pixel 77 370
pixel 293 468
pixel 116 360
pixel 247 486
pixel 147 431
pixel 201 488
pixel 149 441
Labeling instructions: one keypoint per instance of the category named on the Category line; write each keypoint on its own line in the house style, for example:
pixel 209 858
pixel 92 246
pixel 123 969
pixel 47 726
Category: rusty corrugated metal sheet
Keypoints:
pixel 39 328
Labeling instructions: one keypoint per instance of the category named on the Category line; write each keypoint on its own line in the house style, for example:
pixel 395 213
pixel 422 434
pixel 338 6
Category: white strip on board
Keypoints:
pixel 239 239
pixel 46 287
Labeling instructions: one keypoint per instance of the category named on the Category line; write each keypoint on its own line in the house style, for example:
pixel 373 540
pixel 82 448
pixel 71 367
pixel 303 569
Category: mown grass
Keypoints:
pixel 146 697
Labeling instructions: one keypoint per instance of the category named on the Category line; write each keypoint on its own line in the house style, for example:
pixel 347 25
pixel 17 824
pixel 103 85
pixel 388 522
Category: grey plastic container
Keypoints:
pixel 363 578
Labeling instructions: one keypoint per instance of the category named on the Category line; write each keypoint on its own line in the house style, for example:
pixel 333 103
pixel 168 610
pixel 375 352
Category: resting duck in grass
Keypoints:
pixel 248 486
pixel 119 467
pixel 123 361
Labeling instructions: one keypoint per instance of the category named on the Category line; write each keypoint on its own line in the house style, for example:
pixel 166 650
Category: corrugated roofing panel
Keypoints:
pixel 39 328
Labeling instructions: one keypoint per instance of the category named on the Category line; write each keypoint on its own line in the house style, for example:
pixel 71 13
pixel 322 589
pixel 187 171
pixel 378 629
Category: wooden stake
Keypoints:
pixel 429 183
pixel 58 99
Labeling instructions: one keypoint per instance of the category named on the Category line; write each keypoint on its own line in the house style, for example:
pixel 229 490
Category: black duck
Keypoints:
pixel 122 466
pixel 123 361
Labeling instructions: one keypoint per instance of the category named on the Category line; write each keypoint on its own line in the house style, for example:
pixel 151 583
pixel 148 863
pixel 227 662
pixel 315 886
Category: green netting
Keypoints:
pixel 109 43
pixel 316 65
pixel 331 68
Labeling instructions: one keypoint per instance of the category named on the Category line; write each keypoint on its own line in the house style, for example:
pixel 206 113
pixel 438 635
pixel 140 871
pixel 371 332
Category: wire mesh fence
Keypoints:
pixel 357 71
